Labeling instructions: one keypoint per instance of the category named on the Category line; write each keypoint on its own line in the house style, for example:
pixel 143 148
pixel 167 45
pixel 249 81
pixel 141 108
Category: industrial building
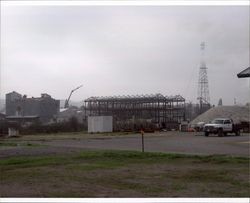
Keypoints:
pixel 20 107
pixel 130 112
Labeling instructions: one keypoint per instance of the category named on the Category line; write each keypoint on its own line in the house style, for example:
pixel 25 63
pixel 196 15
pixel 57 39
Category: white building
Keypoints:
pixel 100 124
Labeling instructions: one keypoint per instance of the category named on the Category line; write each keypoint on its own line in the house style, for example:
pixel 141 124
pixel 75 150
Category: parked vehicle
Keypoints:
pixel 221 126
pixel 199 126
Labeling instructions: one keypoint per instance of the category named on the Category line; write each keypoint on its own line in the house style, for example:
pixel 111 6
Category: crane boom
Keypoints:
pixel 66 105
pixel 77 88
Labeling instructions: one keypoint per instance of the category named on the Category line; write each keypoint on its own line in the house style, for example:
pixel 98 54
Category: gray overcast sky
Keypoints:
pixel 117 50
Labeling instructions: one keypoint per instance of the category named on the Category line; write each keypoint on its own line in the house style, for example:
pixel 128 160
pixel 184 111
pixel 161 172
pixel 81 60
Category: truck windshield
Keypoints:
pixel 217 121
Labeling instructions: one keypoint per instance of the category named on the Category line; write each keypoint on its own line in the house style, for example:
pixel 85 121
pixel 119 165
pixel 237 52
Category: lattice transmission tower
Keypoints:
pixel 203 90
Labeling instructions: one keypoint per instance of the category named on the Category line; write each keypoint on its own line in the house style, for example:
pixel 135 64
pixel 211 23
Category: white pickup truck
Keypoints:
pixel 221 126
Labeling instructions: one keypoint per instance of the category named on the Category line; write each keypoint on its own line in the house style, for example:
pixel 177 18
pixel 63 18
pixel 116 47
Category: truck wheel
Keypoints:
pixel 225 134
pixel 220 132
pixel 206 134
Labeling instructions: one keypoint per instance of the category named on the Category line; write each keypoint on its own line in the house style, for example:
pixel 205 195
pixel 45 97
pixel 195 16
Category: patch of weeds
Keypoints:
pixel 136 186
pixel 218 192
pixel 228 191
pixel 241 184
pixel 207 176
pixel 198 175
pixel 176 174
pixel 16 144
pixel 8 144
pixel 96 165
pixel 130 155
pixel 220 159
pixel 32 161
pixel 156 157
pixel 178 186
pixel 39 176
pixel 115 157
pixel 33 145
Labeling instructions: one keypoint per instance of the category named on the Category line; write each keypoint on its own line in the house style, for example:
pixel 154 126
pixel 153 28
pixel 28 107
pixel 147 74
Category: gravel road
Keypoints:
pixel 177 142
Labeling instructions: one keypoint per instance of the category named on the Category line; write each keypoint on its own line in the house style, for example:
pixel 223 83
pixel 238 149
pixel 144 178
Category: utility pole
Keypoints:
pixel 203 90
pixel 142 140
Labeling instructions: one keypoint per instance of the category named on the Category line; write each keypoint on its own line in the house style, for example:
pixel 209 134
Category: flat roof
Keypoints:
pixel 150 97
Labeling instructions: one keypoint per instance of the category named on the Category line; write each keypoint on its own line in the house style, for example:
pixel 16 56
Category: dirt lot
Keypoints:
pixel 175 142
pixel 82 165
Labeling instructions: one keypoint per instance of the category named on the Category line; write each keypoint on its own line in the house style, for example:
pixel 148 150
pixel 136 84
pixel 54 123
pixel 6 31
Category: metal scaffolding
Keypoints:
pixel 157 108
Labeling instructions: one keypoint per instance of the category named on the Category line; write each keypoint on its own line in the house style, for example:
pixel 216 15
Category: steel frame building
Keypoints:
pixel 160 109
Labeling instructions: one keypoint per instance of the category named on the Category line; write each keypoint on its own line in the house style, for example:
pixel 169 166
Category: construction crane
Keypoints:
pixel 66 105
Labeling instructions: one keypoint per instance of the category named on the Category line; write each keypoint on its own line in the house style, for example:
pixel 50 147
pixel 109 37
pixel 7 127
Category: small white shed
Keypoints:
pixel 12 132
pixel 100 124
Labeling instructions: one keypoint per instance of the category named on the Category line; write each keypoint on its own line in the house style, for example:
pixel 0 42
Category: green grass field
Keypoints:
pixel 124 174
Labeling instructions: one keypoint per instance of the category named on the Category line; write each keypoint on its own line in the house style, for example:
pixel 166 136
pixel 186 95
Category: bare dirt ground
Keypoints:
pixel 174 142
